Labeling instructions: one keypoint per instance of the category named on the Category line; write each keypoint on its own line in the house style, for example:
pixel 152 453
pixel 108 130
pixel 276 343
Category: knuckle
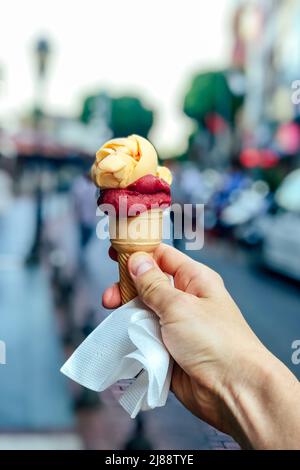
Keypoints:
pixel 186 272
pixel 218 278
pixel 150 289
pixel 214 278
pixel 177 308
pixel 177 300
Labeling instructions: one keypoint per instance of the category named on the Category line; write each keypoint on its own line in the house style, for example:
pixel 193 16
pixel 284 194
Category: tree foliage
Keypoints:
pixel 210 93
pixel 125 115
pixel 129 116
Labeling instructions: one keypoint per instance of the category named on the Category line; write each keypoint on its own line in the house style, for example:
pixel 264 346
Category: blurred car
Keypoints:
pixel 248 204
pixel 281 246
pixel 245 208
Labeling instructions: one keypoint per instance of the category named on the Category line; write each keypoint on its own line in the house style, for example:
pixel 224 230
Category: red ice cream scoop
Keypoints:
pixel 146 193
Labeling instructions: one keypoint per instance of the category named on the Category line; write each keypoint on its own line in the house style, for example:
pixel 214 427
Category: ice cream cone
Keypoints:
pixel 128 168
pixel 132 234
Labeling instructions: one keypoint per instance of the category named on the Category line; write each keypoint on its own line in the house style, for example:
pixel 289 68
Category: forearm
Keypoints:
pixel 264 402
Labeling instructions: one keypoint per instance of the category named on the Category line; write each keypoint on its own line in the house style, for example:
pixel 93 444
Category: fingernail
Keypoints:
pixel 139 264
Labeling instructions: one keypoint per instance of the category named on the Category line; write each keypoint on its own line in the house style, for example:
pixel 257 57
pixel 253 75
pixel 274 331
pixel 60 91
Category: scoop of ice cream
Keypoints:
pixel 150 185
pixel 121 162
pixel 146 193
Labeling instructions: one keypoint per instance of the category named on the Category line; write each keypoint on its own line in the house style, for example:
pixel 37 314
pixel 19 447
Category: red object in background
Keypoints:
pixel 288 138
pixel 256 158
pixel 250 158
pixel 215 123
pixel 269 159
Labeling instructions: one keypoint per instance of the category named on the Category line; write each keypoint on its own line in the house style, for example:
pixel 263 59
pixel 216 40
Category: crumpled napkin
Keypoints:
pixel 126 345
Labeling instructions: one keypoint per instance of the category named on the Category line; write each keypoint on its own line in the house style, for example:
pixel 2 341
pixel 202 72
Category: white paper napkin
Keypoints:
pixel 127 344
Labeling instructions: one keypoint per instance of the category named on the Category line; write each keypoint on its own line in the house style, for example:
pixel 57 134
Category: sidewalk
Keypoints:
pixel 33 393
pixel 171 427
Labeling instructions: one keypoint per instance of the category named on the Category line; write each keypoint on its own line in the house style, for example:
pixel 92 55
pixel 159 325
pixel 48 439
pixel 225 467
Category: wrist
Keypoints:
pixel 261 403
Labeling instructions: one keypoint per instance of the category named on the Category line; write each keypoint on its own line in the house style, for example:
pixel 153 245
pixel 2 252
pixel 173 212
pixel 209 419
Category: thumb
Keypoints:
pixel 153 286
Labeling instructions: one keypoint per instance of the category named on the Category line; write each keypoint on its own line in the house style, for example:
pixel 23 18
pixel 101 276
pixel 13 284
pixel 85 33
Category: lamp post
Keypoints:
pixel 41 52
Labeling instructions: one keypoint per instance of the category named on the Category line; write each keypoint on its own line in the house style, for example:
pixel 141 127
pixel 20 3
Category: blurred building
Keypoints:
pixel 267 47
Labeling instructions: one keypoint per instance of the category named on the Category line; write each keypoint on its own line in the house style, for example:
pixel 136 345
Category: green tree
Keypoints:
pixel 95 106
pixel 210 93
pixel 124 115
pixel 130 116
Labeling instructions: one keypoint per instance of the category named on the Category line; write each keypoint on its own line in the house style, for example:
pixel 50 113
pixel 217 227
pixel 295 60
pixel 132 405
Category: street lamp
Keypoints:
pixel 41 52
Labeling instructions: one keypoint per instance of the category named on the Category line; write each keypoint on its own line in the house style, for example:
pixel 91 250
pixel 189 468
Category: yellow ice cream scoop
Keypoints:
pixel 120 162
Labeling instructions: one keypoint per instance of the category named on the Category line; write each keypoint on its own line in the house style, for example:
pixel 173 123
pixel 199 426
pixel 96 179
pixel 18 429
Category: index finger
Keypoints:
pixel 189 275
pixel 169 259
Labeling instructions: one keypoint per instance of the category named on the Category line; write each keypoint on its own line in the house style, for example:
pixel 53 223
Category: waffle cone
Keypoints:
pixel 132 234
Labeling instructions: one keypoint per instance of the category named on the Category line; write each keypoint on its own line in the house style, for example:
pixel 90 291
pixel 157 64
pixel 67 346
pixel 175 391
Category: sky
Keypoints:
pixel 150 48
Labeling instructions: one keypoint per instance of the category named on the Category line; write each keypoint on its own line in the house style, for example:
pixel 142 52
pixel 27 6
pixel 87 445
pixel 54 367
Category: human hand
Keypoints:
pixel 217 356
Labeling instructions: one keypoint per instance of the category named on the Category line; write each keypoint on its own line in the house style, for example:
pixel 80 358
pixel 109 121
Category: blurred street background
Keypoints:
pixel 216 88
